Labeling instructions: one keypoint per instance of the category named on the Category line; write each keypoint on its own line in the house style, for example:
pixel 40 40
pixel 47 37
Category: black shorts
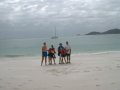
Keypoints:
pixel 64 55
pixel 67 54
pixel 51 55
pixel 59 54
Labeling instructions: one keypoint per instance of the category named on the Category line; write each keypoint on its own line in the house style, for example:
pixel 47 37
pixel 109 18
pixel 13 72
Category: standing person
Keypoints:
pixel 51 54
pixel 63 55
pixel 59 52
pixel 44 53
pixel 68 52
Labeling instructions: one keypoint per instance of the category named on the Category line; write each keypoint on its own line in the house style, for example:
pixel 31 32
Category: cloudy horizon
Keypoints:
pixel 37 18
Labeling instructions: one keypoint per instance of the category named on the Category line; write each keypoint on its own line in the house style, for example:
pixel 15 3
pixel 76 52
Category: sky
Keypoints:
pixel 38 18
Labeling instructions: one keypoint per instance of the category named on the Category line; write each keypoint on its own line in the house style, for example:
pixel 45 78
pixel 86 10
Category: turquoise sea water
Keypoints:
pixel 79 44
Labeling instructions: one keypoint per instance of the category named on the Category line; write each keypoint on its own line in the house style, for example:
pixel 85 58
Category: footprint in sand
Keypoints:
pixel 113 83
pixel 118 66
pixel 8 83
pixel 30 80
pixel 99 70
pixel 98 85
pixel 86 71
pixel 44 88
pixel 9 69
pixel 24 83
pixel 15 88
pixel 97 67
pixel 96 79
pixel 110 68
pixel 20 85
pixel 57 86
pixel 1 87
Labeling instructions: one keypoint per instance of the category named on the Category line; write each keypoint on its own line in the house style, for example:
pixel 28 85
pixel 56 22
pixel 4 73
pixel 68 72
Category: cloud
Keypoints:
pixel 43 13
pixel 58 8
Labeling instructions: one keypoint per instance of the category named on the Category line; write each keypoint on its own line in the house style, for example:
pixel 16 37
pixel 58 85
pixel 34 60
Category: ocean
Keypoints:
pixel 79 44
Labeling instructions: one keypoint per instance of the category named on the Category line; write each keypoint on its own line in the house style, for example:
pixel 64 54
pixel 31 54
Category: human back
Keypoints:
pixel 68 49
pixel 68 52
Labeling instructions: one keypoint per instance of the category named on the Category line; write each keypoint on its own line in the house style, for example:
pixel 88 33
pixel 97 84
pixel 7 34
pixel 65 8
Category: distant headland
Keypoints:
pixel 111 31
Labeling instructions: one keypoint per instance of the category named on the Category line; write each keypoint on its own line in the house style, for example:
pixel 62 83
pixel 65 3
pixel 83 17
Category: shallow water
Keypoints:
pixel 79 44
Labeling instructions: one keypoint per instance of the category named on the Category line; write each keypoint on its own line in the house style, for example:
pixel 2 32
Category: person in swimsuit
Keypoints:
pixel 63 55
pixel 44 53
pixel 51 54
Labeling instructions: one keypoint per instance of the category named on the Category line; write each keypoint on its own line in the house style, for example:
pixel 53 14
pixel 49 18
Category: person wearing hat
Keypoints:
pixel 59 52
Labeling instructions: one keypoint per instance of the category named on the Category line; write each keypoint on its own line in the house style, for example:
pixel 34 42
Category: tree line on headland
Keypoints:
pixel 111 31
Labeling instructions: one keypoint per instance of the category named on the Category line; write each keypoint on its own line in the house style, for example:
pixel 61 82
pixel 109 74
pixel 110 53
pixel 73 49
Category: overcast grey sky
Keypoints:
pixel 37 18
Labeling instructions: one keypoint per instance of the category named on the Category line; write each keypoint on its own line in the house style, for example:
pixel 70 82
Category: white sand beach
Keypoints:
pixel 86 72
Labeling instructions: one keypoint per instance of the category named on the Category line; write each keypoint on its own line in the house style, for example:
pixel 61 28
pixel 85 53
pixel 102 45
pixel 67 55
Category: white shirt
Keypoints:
pixel 68 48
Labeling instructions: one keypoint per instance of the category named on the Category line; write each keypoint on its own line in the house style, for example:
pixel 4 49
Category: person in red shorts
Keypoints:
pixel 63 55
pixel 51 54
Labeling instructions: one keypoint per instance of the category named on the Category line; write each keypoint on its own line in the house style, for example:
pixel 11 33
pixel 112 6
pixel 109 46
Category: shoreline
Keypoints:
pixel 73 54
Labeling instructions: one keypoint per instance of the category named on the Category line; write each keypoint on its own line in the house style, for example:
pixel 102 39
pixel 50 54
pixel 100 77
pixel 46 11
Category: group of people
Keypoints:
pixel 64 53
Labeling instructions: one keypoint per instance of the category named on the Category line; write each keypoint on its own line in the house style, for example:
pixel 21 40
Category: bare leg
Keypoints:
pixel 49 59
pixel 69 59
pixel 54 60
pixel 45 60
pixel 42 60
pixel 60 60
pixel 64 59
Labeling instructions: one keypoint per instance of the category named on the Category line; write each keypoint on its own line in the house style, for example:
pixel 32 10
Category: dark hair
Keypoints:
pixel 52 46
pixel 44 43
pixel 60 43
pixel 66 42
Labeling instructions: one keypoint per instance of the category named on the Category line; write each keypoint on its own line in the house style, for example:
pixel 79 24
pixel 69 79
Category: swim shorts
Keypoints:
pixel 44 54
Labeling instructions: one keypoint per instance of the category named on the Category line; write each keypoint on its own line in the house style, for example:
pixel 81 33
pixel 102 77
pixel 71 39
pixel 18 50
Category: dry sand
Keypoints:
pixel 86 72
